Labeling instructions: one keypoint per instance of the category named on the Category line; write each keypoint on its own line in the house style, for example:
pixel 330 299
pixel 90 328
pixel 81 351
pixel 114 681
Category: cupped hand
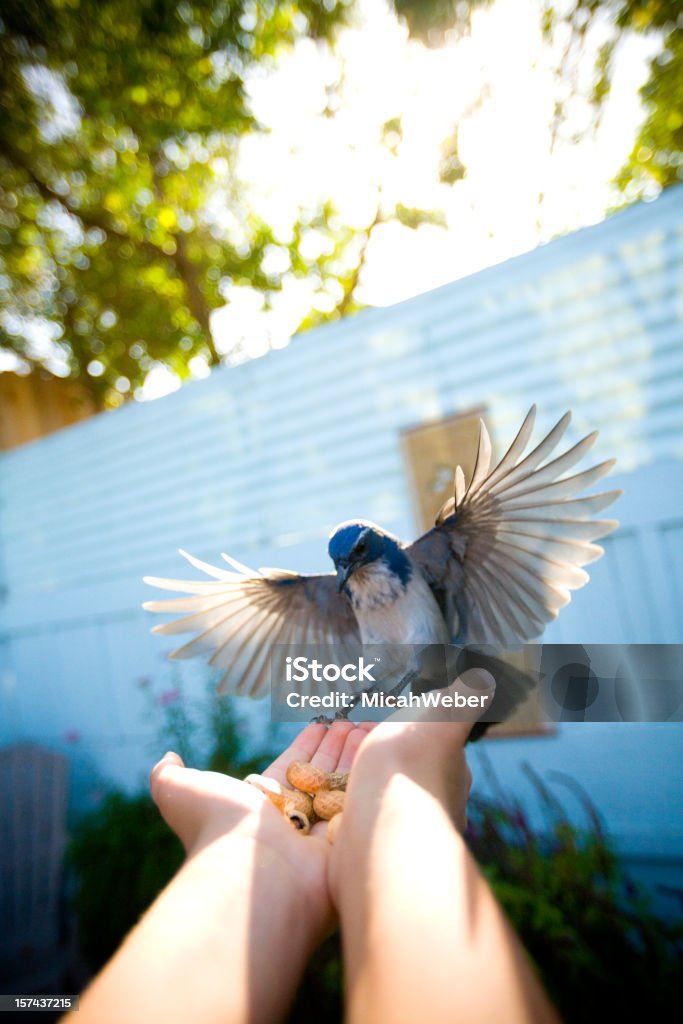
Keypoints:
pixel 204 807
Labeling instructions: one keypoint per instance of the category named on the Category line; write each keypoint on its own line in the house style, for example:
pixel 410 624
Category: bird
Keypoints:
pixel 505 551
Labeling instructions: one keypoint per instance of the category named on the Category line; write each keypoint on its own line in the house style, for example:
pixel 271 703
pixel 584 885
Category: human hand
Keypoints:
pixel 425 754
pixel 428 749
pixel 422 933
pixel 205 808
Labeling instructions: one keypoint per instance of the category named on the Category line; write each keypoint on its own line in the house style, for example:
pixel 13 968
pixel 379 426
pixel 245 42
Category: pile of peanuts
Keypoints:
pixel 315 795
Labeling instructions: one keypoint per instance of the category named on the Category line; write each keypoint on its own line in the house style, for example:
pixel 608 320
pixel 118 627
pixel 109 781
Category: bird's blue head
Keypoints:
pixel 358 543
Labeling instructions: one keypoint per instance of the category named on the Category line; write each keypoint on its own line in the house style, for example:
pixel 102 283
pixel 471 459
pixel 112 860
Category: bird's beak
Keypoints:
pixel 343 573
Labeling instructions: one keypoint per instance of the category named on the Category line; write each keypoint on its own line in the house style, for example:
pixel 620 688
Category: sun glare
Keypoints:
pixel 497 85
pixel 327 139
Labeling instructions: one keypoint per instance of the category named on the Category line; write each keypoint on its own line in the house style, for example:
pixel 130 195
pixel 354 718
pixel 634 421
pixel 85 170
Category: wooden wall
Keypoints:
pixel 35 405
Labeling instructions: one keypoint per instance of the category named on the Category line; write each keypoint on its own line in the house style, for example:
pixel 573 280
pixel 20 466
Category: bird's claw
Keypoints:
pixel 339 716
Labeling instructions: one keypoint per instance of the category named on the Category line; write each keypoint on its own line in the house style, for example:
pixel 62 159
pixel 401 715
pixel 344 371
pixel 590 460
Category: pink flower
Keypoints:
pixel 169 697
pixel 519 819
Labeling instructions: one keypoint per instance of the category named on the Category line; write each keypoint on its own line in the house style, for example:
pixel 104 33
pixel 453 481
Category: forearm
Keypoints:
pixel 187 959
pixel 423 935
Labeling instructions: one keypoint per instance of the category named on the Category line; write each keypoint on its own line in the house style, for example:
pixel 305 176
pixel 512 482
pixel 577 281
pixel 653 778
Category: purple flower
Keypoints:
pixel 519 819
pixel 472 834
pixel 169 697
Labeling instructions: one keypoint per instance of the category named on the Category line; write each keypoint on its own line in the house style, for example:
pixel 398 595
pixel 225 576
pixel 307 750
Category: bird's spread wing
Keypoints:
pixel 508 547
pixel 238 615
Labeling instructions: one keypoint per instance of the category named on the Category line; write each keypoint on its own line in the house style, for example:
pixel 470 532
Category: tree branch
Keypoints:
pixel 352 284
pixel 195 297
pixel 183 265
pixel 87 217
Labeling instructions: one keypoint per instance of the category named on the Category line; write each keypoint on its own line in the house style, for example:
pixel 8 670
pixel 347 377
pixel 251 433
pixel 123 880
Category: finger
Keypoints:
pixel 302 749
pixel 171 783
pixel 169 758
pixel 480 684
pixel 171 789
pixel 475 683
pixel 328 753
pixel 351 745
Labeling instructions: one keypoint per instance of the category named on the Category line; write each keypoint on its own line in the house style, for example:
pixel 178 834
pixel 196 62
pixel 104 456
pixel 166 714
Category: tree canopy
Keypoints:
pixel 123 218
pixel 119 120
pixel 656 160
pixel 657 155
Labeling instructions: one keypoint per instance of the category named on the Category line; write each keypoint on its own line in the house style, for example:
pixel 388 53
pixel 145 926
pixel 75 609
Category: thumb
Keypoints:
pixel 159 775
pixel 171 789
pixel 464 702
pixel 478 688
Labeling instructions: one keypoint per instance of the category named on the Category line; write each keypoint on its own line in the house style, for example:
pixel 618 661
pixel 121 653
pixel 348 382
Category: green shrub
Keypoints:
pixel 596 942
pixel 123 854
pixel 598 948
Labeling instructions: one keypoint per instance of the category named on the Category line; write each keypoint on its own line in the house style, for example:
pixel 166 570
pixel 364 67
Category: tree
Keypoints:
pixel 124 222
pixel 656 160
pixel 119 123
pixel 122 216
pixel 657 156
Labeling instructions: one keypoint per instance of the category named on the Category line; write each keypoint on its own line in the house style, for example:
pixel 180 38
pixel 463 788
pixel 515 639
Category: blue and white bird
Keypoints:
pixel 499 563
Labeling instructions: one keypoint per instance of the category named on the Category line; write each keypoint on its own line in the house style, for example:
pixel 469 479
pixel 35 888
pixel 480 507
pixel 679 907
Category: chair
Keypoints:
pixel 33 800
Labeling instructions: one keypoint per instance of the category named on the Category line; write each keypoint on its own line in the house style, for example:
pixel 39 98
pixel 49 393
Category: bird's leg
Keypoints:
pixel 339 716
pixel 343 715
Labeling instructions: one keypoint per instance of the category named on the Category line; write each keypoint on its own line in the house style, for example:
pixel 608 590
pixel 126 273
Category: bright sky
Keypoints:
pixel 498 84
pixel 492 214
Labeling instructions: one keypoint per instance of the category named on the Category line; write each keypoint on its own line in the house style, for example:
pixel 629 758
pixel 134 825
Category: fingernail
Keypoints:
pixel 169 753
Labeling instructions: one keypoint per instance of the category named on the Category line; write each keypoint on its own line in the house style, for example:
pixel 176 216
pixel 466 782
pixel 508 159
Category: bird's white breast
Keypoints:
pixel 389 612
